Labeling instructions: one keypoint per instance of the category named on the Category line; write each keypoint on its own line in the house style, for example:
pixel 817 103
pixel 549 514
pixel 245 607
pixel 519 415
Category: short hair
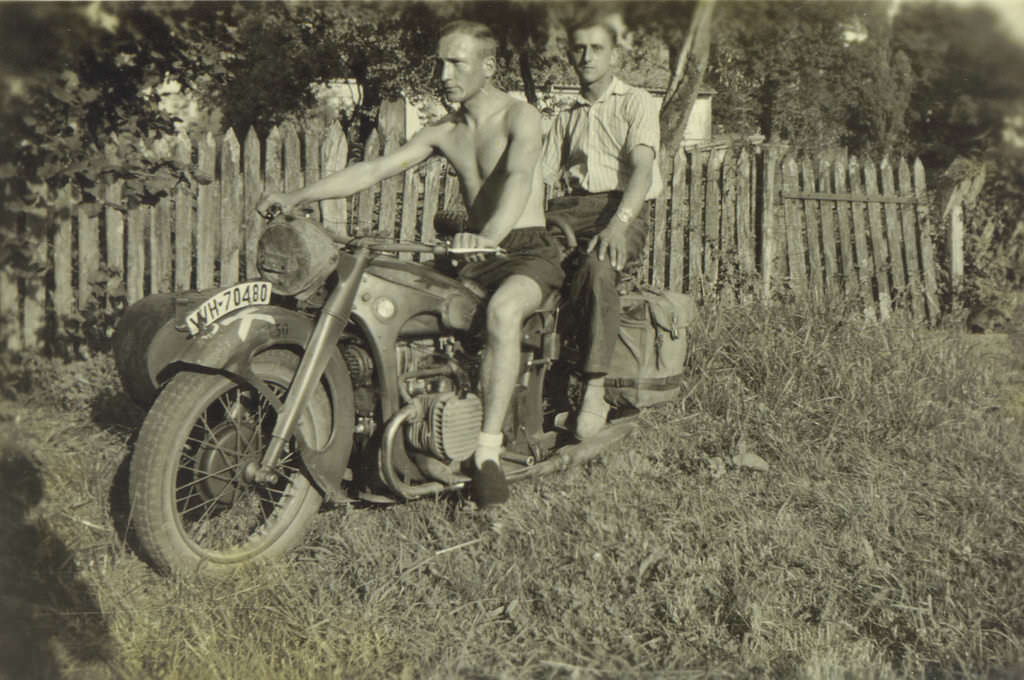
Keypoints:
pixel 474 29
pixel 611 23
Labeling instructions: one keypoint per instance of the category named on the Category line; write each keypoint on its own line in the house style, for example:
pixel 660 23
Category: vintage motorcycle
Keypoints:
pixel 348 373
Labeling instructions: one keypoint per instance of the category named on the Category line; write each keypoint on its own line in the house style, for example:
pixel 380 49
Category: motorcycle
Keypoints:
pixel 347 373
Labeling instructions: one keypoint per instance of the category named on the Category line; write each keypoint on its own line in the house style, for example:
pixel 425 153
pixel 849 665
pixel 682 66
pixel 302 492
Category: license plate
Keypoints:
pixel 226 301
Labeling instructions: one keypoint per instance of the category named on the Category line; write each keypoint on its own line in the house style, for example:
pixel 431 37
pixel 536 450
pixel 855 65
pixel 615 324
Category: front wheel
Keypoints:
pixel 192 506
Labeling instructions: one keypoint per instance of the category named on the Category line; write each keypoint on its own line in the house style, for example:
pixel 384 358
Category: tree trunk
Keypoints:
pixel 688 66
pixel 529 87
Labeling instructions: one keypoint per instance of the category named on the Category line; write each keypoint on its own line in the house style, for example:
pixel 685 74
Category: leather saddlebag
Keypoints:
pixel 648 362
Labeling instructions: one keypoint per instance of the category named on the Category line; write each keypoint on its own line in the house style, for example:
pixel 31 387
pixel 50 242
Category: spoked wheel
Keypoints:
pixel 193 505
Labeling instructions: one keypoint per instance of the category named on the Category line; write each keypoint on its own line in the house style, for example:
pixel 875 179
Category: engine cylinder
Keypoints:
pixel 450 427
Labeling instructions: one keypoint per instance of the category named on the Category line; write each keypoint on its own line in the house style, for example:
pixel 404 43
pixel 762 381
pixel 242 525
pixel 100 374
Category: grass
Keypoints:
pixel 883 541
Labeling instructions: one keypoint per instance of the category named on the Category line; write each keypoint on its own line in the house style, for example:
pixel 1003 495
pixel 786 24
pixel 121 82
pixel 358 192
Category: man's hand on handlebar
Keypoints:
pixel 274 203
pixel 469 241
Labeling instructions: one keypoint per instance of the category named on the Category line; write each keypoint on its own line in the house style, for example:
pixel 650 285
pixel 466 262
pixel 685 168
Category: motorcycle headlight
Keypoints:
pixel 296 255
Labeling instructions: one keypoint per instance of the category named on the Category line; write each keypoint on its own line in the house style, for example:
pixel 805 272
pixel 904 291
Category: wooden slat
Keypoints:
pixel 63 294
pixel 657 239
pixel 334 157
pixel 230 208
pixel 816 272
pixel 909 222
pixel 160 247
pixel 927 251
pixel 311 140
pixel 452 191
pixel 10 316
pixel 840 196
pixel 746 241
pixel 680 224
pixel 410 202
pixel 770 240
pixel 252 190
pixel 137 226
pixel 389 195
pixel 159 264
pixel 794 230
pixel 894 236
pixel 695 233
pixel 184 219
pixel 88 254
pixel 33 320
pixel 113 220
pixel 879 247
pixel 292 156
pixel 207 227
pixel 833 281
pixel 851 283
pixel 273 176
pixel 367 197
pixel 712 227
pixel 729 253
pixel 865 265
pixel 431 196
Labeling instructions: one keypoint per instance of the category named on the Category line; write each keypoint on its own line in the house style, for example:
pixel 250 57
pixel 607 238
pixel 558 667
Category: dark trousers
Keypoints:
pixel 592 282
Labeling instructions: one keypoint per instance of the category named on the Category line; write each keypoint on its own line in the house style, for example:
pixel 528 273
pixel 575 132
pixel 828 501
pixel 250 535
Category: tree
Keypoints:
pixel 968 79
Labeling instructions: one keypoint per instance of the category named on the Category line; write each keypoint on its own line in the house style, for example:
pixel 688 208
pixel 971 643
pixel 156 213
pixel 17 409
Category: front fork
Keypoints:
pixel 328 330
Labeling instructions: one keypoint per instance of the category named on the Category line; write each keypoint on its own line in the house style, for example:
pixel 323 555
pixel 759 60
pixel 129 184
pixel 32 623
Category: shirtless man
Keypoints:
pixel 494 143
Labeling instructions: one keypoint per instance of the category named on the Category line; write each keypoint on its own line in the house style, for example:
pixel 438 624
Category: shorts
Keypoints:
pixel 530 252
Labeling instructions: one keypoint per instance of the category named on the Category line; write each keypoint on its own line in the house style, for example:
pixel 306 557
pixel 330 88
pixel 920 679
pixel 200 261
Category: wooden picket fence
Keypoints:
pixel 731 224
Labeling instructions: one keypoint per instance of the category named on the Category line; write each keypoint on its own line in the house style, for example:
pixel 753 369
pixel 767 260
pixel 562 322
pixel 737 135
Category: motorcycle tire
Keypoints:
pixel 191 508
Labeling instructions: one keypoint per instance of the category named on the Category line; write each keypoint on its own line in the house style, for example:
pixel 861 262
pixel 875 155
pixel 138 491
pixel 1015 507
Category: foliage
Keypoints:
pixel 809 73
pixel 968 77
pixel 994 239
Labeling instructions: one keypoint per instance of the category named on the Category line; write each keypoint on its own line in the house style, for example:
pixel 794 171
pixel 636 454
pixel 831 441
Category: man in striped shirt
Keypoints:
pixel 603 148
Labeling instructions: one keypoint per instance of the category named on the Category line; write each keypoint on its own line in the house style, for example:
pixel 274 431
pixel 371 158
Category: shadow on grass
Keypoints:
pixel 115 411
pixel 51 617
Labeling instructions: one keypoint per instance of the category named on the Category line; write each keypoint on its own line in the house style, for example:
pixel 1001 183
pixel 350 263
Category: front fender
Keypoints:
pixel 230 344
pixel 149 354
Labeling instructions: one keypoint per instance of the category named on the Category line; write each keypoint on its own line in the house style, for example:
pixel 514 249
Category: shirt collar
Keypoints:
pixel 616 87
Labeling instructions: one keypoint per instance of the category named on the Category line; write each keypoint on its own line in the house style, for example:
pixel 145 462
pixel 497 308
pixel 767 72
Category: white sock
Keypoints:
pixel 488 447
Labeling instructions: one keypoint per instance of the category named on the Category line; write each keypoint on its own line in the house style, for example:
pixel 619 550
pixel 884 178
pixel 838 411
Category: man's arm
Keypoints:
pixel 610 244
pixel 515 176
pixel 358 176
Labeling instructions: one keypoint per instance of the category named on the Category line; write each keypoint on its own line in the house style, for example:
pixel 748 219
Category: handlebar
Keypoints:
pixel 387 245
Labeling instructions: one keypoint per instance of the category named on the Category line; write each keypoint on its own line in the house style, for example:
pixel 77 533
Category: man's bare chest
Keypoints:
pixel 475 153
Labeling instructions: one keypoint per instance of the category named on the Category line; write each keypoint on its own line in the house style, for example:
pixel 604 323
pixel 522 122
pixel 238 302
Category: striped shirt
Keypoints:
pixel 589 144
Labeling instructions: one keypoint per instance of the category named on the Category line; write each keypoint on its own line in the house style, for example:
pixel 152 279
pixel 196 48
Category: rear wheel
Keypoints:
pixel 192 506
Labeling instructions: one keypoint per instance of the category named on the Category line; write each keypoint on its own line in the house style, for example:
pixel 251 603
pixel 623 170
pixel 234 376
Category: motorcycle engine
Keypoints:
pixel 450 427
pixel 452 415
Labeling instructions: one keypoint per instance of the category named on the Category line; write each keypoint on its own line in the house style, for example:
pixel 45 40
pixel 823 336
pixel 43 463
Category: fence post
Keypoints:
pixel 63 295
pixel 160 257
pixel 879 246
pixel 927 251
pixel 252 184
pixel 955 248
pixel 909 232
pixel 230 208
pixel 207 232
pixel 334 157
pixel 680 221
pixel 184 218
pixel 769 240
pixel 88 254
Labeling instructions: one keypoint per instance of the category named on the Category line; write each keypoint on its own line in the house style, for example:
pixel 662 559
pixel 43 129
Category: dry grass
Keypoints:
pixel 884 541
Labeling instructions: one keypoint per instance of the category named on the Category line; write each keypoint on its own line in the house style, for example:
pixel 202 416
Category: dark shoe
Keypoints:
pixel 488 485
